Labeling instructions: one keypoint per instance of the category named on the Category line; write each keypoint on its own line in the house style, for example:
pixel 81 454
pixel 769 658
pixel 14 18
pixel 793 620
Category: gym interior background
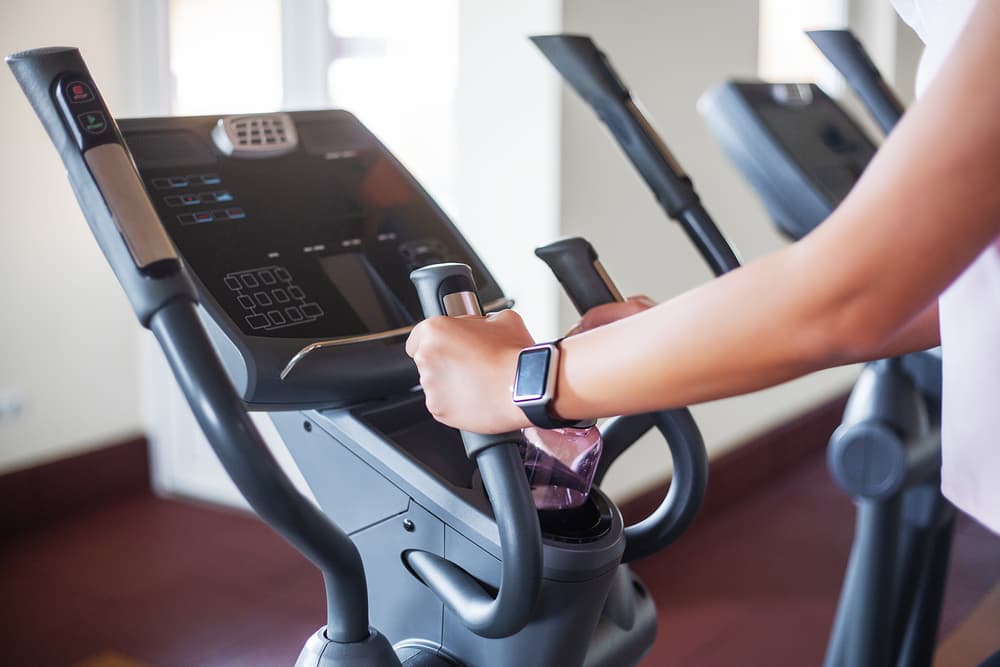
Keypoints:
pixel 459 94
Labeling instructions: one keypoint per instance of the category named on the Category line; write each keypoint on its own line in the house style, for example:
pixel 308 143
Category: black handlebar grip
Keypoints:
pixel 577 268
pixel 446 289
pixel 449 289
pixel 587 70
pixel 848 55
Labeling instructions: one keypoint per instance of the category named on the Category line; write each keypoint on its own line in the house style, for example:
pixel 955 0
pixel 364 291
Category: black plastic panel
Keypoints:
pixel 310 245
pixel 796 146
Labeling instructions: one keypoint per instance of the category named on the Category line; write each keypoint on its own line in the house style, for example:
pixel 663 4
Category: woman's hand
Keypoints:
pixel 467 366
pixel 611 312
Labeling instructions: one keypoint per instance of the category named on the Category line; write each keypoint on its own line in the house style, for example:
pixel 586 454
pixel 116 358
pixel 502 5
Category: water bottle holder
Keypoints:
pixel 587 523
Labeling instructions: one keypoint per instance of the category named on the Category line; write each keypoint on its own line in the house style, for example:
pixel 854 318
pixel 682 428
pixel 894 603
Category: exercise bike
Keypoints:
pixel 270 255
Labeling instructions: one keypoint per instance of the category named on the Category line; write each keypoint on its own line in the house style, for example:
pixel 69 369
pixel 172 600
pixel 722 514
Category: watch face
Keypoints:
pixel 532 373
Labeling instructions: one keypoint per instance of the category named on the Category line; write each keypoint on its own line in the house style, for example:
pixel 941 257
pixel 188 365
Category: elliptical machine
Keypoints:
pixel 270 256
pixel 802 153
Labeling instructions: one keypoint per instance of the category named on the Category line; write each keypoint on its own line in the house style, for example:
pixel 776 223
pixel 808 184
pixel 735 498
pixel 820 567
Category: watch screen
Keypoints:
pixel 532 371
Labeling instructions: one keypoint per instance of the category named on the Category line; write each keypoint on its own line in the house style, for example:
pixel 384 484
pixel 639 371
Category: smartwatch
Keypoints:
pixel 535 386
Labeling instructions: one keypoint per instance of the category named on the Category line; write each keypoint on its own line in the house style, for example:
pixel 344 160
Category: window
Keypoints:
pixel 785 53
pixel 393 63
pixel 225 56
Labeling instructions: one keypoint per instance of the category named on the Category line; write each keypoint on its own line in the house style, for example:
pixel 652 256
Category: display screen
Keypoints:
pixel 532 372
pixel 317 243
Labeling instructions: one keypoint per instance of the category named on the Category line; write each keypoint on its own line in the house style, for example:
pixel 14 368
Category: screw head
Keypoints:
pixel 307 426
pixel 409 526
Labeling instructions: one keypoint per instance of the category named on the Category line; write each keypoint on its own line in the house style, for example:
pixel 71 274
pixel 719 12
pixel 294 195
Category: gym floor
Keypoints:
pixel 150 582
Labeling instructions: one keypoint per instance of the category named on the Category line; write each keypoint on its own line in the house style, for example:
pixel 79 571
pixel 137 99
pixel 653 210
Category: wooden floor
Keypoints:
pixel 160 583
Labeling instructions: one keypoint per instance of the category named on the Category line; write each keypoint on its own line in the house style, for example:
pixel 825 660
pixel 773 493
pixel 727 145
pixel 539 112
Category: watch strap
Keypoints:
pixel 541 416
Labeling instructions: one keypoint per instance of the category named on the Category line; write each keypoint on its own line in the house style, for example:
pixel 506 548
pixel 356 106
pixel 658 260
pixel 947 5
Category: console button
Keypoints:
pixel 267 278
pixel 294 314
pixel 210 179
pixel 257 321
pixel 262 298
pixel 78 92
pixel 233 284
pixel 280 295
pixel 203 216
pixel 277 319
pixel 93 122
pixel 283 275
pixel 296 293
pixel 245 301
pixel 235 213
pixel 249 280
pixel 312 310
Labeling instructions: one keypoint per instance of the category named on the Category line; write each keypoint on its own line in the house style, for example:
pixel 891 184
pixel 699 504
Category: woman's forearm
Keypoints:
pixel 747 330
pixel 860 286
pixel 783 334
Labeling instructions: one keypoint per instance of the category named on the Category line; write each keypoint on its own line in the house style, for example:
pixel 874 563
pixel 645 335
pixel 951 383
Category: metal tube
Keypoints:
pixel 256 473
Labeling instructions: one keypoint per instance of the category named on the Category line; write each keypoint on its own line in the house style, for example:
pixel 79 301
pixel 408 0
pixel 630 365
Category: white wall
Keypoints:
pixel 508 149
pixel 669 53
pixel 68 340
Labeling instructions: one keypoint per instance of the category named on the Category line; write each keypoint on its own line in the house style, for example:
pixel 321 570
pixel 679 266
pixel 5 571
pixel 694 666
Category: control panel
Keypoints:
pixel 796 146
pixel 300 230
pixel 313 239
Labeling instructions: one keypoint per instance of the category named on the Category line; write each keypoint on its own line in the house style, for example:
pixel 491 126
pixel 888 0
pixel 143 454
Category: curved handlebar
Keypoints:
pixel 448 289
pixel 163 298
pixel 248 461
pixel 577 267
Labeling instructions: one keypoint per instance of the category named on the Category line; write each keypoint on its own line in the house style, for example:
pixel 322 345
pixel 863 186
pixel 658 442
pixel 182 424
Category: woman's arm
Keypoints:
pixel 854 289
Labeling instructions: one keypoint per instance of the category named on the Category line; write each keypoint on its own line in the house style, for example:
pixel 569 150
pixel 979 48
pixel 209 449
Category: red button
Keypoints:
pixel 79 92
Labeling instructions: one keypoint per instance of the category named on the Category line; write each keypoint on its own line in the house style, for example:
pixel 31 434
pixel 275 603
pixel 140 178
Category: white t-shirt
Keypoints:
pixel 970 317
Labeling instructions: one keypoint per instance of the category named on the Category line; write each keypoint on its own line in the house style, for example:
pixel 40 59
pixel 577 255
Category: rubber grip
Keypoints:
pixel 577 268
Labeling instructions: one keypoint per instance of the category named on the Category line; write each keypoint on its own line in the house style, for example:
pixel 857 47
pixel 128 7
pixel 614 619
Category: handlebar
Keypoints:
pixel 577 267
pixel 588 71
pixel 449 289
pixel 131 236
pixel 848 55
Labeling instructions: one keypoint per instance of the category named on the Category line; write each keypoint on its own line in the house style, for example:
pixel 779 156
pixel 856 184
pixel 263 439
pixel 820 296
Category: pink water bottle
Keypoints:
pixel 560 464
pixel 560 457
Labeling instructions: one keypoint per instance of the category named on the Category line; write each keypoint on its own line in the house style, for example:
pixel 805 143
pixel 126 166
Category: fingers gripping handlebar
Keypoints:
pixel 448 289
pixel 578 269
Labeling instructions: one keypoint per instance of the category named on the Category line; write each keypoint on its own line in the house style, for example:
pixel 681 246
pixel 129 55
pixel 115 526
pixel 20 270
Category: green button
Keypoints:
pixel 93 122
